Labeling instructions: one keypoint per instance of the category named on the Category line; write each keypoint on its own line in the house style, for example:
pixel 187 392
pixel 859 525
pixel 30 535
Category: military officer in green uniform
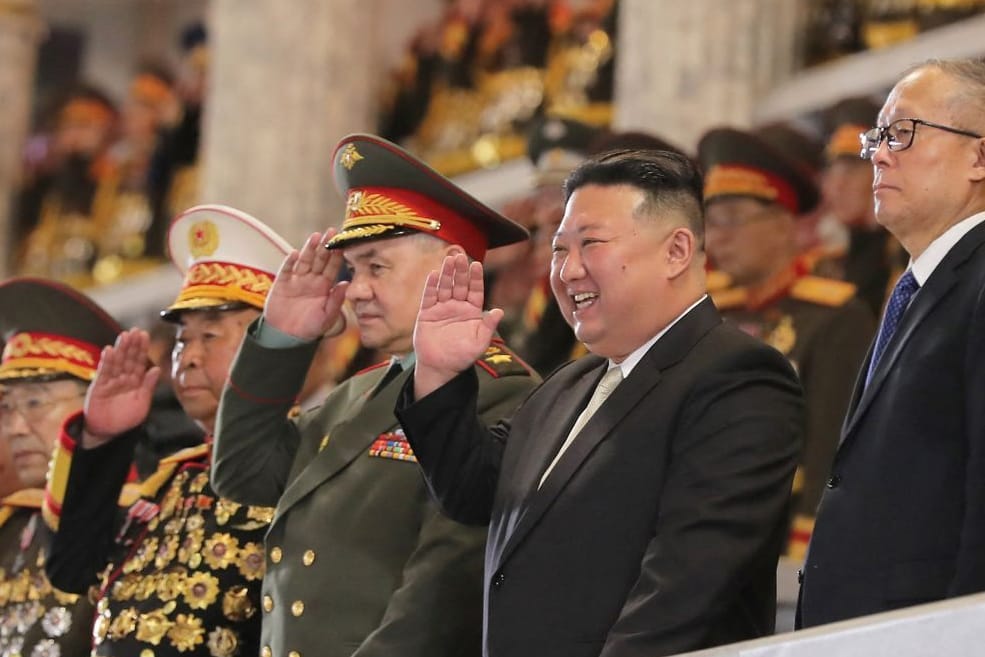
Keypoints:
pixel 54 336
pixel 179 571
pixel 360 560
pixel 871 254
pixel 753 194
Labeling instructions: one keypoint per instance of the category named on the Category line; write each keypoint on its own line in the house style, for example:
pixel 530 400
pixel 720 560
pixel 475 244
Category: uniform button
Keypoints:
pixel 800 575
pixel 276 554
pixel 266 652
pixel 308 558
pixel 268 604
pixel 833 481
pixel 498 579
pixel 297 608
pixel 294 653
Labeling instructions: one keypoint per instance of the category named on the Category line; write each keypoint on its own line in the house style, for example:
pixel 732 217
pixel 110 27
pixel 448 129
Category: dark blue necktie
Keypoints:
pixel 898 302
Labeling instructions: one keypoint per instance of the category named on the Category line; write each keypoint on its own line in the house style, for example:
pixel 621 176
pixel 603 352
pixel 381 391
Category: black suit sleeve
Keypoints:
pixel 462 465
pixel 721 524
pixel 969 576
pixel 82 545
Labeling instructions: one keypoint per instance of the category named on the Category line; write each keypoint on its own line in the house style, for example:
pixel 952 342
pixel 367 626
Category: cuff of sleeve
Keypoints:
pixel 272 338
pixel 270 375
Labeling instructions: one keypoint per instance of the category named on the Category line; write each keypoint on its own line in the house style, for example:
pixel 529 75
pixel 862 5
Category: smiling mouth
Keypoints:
pixel 583 300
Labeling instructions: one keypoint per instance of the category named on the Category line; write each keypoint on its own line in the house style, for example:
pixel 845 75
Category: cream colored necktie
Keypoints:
pixel 604 388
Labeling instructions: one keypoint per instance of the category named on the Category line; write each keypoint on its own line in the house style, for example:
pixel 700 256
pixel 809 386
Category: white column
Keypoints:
pixel 684 67
pixel 287 81
pixel 20 33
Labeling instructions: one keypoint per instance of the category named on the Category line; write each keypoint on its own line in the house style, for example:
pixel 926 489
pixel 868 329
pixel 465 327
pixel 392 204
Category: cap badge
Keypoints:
pixel 203 238
pixel 349 156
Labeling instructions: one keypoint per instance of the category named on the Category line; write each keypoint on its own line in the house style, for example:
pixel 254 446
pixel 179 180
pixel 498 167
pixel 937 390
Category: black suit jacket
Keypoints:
pixel 658 530
pixel 903 519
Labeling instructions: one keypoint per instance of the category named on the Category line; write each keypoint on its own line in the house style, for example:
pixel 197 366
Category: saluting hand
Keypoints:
pixel 305 301
pixel 119 398
pixel 452 330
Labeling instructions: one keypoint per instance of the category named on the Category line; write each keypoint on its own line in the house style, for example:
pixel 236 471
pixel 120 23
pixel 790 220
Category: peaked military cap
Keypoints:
pixel 390 193
pixel 796 144
pixel 229 259
pixel 556 146
pixel 51 331
pixel 740 164
pixel 845 121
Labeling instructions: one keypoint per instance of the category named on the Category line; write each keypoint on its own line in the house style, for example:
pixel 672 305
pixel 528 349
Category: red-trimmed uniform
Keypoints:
pixel 179 573
pixel 52 333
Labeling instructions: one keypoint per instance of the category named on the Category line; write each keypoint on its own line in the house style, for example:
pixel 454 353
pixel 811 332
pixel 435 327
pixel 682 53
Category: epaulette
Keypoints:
pixel 186 454
pixel 499 361
pixel 822 291
pixel 5 513
pixel 26 498
pixel 717 280
pixel 732 297
pixel 377 366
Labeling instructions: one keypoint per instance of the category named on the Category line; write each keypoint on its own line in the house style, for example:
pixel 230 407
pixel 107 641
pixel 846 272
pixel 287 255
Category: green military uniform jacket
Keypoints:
pixel 35 618
pixel 360 560
pixel 824 330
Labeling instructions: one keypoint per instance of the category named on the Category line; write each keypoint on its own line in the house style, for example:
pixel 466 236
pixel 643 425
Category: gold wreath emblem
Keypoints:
pixel 349 157
pixel 203 238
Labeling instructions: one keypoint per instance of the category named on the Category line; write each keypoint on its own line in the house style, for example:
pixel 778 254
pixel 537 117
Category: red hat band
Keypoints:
pixel 743 180
pixel 46 352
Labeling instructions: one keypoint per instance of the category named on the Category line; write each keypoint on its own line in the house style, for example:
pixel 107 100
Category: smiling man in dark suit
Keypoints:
pixel 653 526
pixel 903 519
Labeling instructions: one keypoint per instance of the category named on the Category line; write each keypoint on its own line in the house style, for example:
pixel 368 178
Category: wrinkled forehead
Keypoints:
pixel 17 389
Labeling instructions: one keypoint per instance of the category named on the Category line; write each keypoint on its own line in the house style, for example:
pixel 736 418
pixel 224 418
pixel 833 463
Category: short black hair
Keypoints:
pixel 670 181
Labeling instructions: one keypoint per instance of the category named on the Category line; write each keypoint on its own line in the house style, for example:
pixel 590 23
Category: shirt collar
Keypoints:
pixel 925 265
pixel 636 356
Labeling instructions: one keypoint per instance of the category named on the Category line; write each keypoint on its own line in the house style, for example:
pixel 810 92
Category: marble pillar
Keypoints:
pixel 287 80
pixel 684 67
pixel 20 32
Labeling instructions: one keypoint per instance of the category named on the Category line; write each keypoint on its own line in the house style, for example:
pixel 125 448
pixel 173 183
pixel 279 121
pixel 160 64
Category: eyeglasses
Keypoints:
pixel 32 407
pixel 899 135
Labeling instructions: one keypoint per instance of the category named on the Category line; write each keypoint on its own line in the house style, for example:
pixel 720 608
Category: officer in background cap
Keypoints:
pixel 870 254
pixel 181 575
pixel 555 146
pixel 54 337
pixel 361 560
pixel 753 196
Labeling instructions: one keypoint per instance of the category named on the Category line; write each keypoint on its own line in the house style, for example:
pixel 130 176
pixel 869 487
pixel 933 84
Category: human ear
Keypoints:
pixel 681 247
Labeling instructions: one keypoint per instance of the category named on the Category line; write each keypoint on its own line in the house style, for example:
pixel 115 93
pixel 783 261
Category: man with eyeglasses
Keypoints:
pixel 902 521
pixel 753 195
pixel 54 337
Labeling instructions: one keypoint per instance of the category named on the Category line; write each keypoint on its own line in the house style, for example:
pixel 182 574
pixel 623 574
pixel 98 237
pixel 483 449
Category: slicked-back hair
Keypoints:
pixel 670 182
pixel 970 73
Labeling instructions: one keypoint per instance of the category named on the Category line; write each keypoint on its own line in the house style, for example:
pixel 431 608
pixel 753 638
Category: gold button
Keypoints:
pixel 308 558
pixel 146 652
pixel 297 608
pixel 276 554
pixel 268 604
pixel 294 653
pixel 266 652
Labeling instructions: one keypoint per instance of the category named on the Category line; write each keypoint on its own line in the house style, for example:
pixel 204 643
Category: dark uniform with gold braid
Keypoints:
pixel 52 332
pixel 817 323
pixel 361 561
pixel 182 575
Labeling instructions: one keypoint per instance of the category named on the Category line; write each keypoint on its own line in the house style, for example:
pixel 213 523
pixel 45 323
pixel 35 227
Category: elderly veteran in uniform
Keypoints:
pixel 361 562
pixel 180 573
pixel 54 338
pixel 871 253
pixel 753 195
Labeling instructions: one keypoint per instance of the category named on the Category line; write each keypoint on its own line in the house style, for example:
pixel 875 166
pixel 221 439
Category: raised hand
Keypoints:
pixel 119 398
pixel 305 301
pixel 452 330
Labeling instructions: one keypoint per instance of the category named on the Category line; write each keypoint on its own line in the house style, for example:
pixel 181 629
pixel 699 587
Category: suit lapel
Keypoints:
pixel 668 350
pixel 348 439
pixel 939 284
